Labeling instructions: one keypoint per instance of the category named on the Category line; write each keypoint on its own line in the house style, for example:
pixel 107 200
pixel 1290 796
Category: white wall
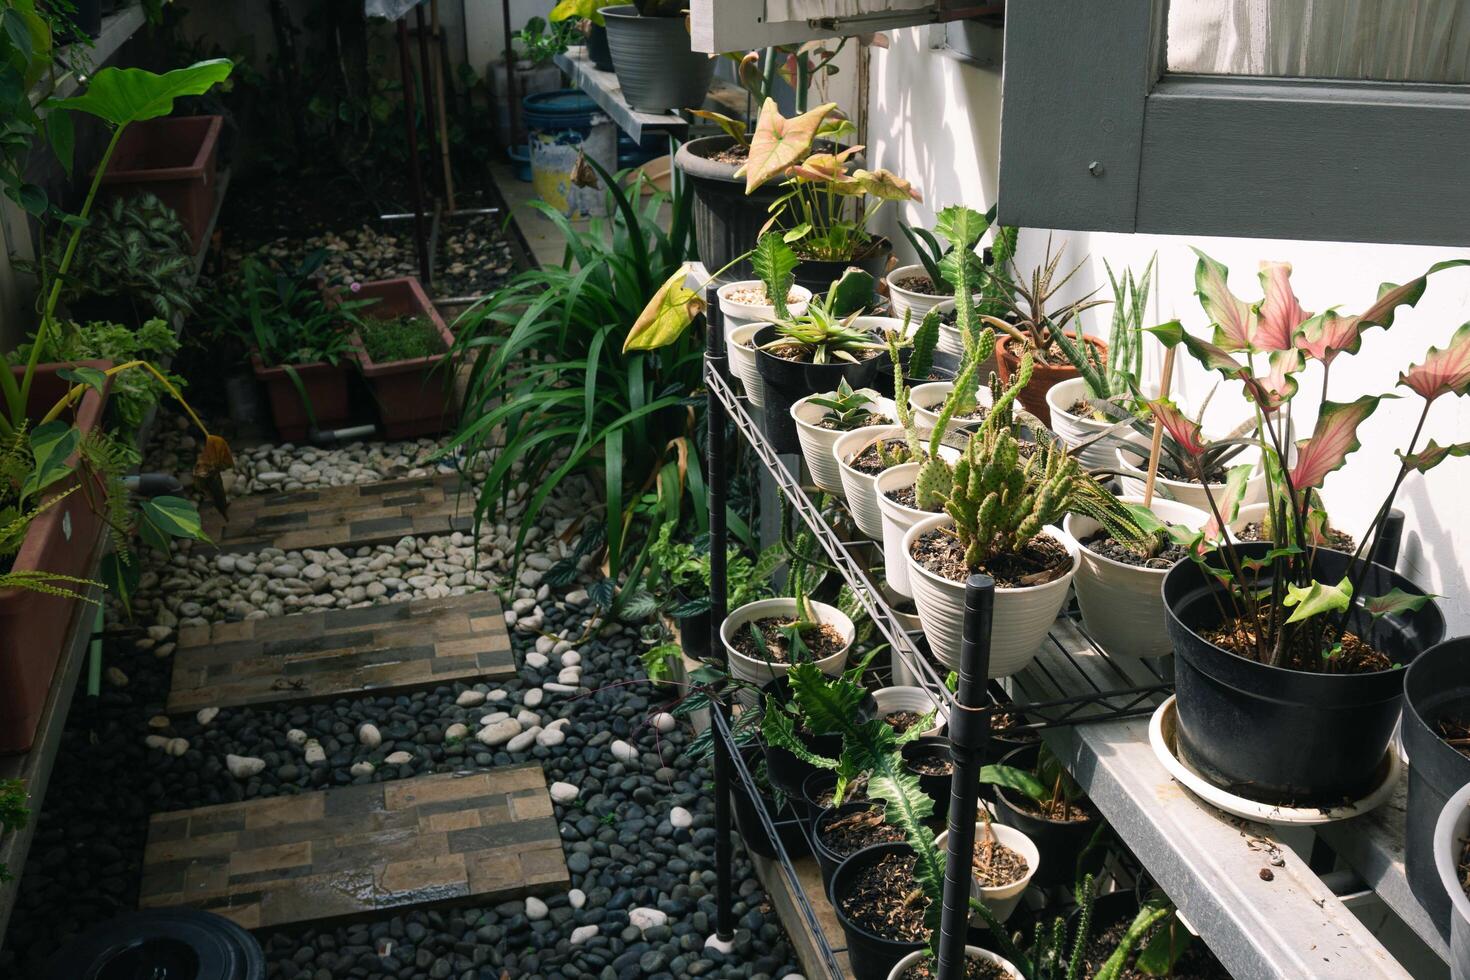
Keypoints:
pixel 936 120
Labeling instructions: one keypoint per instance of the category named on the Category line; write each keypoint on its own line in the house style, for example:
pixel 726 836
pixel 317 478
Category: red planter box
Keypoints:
pixel 175 158
pixel 326 387
pixel 415 397
pixel 65 539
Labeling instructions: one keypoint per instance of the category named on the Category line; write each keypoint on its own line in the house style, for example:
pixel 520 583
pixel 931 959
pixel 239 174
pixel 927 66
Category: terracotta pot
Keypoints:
pixel 326 390
pixel 66 539
pixel 415 397
pixel 174 157
pixel 1043 376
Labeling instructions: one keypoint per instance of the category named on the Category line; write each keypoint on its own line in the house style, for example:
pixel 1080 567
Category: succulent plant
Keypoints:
pixel 849 409
pixel 998 501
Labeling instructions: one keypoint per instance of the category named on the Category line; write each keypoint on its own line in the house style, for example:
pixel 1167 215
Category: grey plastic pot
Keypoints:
pixel 1449 835
pixel 656 68
pixel 727 221
pixel 1436 684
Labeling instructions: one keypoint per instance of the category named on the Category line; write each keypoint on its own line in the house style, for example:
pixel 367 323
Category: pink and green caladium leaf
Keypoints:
pixel 1233 318
pixel 887 186
pixel 1445 370
pixel 1394 601
pixel 1328 334
pixel 1269 391
pixel 666 317
pixel 1317 598
pixel 780 142
pixel 1433 454
pixel 1280 314
pixel 1333 439
pixel 1184 430
pixel 1228 502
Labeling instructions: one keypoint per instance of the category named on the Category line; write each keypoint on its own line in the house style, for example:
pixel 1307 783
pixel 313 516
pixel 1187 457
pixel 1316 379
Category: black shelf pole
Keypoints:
pixel 969 737
pixel 715 480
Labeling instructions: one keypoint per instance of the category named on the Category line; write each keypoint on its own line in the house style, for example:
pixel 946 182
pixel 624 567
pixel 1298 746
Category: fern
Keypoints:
pixel 106 460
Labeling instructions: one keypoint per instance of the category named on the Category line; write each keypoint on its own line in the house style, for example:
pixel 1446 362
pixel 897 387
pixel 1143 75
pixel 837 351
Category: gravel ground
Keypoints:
pixel 635 812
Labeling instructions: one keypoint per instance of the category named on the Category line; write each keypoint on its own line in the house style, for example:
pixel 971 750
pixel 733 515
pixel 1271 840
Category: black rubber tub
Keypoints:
pixel 727 221
pixel 178 944
pixel 1061 843
pixel 935 787
pixel 869 955
pixel 656 68
pixel 1287 736
pixel 789 381
pixel 789 824
pixel 818 274
pixel 1436 686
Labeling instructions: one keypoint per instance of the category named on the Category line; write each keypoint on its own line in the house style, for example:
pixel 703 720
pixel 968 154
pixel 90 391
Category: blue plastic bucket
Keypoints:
pixel 561 127
pixel 520 158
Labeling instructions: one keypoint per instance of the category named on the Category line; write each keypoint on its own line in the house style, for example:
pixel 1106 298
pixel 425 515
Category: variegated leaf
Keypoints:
pixel 780 142
pixel 1434 454
pixel 1184 430
pixel 1333 440
pixel 1444 370
pixel 667 315
pixel 1236 479
pixel 1234 319
pixel 1394 601
pixel 1280 313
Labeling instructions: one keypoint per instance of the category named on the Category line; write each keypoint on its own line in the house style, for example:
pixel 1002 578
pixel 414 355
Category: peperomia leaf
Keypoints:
pixel 1394 601
pixel 668 314
pixel 1280 313
pixel 1333 439
pixel 1317 598
pixel 1445 370
pixel 780 142
pixel 1433 454
pixel 128 95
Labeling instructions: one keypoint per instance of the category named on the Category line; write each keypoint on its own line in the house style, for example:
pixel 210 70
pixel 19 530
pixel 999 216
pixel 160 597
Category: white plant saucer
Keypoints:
pixel 1161 735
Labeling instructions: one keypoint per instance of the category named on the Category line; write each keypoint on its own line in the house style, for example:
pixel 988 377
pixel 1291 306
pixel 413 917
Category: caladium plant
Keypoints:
pixel 1266 345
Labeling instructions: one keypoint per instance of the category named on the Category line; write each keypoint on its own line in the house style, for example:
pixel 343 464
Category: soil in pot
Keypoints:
pixel 1357 656
pixel 928 758
pixel 1456 733
pixel 822 640
pixel 1336 540
pixel 820 789
pixel 870 462
pixel 975 969
pixel 1061 830
pixel 755 295
pixel 1103 544
pixel 916 282
pixel 1042 560
pixel 993 865
pixel 885 900
pixel 905 497
pixel 847 830
pixel 902 721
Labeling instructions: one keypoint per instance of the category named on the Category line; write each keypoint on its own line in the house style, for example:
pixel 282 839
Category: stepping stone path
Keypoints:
pixel 353 516
pixel 487 836
pixel 342 652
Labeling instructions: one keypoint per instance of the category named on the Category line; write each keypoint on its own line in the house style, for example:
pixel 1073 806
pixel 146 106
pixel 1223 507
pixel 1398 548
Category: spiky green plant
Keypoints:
pixel 1000 502
pixel 922 343
pixel 775 266
pixel 848 409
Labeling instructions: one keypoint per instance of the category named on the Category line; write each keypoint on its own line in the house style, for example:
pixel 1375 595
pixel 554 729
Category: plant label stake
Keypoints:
pixel 1158 439
pixel 969 736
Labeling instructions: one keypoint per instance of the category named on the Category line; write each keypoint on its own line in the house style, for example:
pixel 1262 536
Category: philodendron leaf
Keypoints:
pixel 174 516
pixel 1394 601
pixel 127 95
pixel 1332 441
pixel 1433 454
pixel 1445 370
pixel 52 445
pixel 1316 599
pixel 668 314
pixel 780 142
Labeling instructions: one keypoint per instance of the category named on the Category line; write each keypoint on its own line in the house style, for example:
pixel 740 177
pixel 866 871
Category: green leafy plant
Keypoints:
pixel 679 573
pixel 135 392
pixel 283 313
pixel 1028 319
pixel 798 65
pixel 401 338
pixel 541 42
pixel 848 409
pixel 1047 784
pixel 1115 376
pixel 1296 620
pixel 824 333
pixel 14 814
pixel 588 11
pixel 932 254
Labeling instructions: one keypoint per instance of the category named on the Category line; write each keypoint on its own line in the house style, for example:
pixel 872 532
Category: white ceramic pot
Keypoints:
pixel 1449 836
pixel 972 952
pixel 817 442
pixel 881 326
pixel 1021 619
pixel 1123 605
pixel 950 340
pixel 1133 470
pixel 738 314
pixel 927 399
pixel 908 697
pixel 758 672
pixel 858 487
pixel 1002 901
pixel 742 361
pixel 897 519
pixel 907 301
pixel 1074 429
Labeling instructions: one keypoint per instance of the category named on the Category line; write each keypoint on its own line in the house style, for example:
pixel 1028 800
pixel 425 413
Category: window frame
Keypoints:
pixel 1096 137
pixel 740 25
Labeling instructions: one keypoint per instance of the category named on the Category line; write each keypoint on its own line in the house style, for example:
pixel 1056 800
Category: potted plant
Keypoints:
pixel 1106 388
pixel 1295 644
pixel 679 574
pixel 1028 326
pixel 799 355
pixel 914 290
pixel 402 348
pixel 773 800
pixel 587 16
pixel 1004 863
pixel 744 302
pixel 538 43
pixel 656 68
pixel 300 343
pixel 1450 835
pixel 1034 793
pixel 793 749
pixel 1436 738
pixel 765 638
pixel 841 830
pixel 823 418
pixel 774 263
pixel 1119 581
pixel 823 211
pixel 173 158
pixel 905 706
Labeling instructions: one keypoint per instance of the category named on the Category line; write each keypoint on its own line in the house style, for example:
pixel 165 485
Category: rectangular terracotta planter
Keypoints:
pixel 415 397
pixel 175 158
pixel 66 539
pixel 326 387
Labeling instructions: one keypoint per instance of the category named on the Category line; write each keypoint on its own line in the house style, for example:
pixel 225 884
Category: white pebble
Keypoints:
pixel 499 732
pixel 571 658
pixel 569 675
pixel 399 758
pixel 524 740
pixel 563 792
pixel 470 698
pixel 206 715
pixel 583 933
pixel 647 918
pixel 314 754
pixel 536 909
pixel 551 737
pixel 296 737
pixel 369 736
pixel 576 898
pixel 244 766
pixel 623 752
pixel 533 697
pixel 497 695
pixel 680 818
pixel 177 746
pixel 536 661
pixel 456 732
pixel 363 768
pixel 156 741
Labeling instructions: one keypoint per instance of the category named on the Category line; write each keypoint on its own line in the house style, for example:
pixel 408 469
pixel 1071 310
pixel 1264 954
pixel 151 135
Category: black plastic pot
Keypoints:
pixel 934 787
pixel 944 366
pixel 789 381
pixel 828 860
pixel 1060 842
pixel 180 944
pixel 1437 684
pixel 789 824
pixel 656 68
pixel 818 274
pixel 1287 736
pixel 693 630
pixel 869 955
pixel 727 221
pixel 786 770
pixel 597 48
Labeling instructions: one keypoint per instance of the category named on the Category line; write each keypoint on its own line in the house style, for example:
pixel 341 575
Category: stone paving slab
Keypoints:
pixel 354 516
pixel 353 850
pixel 342 652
